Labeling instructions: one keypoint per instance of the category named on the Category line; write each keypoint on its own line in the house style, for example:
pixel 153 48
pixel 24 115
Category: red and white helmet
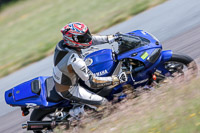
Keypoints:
pixel 76 35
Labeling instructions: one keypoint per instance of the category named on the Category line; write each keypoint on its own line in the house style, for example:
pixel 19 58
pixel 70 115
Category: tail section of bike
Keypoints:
pixel 38 92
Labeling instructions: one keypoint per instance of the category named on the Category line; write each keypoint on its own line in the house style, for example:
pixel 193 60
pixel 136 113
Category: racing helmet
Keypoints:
pixel 76 35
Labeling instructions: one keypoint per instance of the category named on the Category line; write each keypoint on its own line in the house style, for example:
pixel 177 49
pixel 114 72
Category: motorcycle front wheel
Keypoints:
pixel 180 63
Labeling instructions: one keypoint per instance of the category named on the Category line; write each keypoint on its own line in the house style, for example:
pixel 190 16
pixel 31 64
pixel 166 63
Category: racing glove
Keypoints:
pixel 112 38
pixel 122 77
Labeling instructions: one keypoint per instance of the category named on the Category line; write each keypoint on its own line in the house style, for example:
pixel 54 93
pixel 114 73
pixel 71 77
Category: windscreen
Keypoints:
pixel 129 42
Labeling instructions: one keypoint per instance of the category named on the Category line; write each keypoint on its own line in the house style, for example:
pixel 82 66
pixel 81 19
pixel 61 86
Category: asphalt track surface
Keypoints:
pixel 176 23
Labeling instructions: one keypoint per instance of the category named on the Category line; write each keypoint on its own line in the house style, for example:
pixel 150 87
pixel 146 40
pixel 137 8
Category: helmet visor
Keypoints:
pixel 86 38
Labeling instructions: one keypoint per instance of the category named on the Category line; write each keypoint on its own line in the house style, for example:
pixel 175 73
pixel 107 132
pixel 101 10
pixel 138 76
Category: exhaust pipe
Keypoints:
pixel 41 125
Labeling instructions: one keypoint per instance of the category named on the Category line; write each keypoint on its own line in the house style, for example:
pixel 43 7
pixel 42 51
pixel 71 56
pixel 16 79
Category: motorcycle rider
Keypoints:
pixel 69 66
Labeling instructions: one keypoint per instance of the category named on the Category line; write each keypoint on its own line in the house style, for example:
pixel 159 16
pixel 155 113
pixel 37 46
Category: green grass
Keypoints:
pixel 30 29
pixel 168 109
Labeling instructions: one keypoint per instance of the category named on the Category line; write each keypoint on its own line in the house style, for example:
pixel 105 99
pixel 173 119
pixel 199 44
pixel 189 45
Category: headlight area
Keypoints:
pixel 154 55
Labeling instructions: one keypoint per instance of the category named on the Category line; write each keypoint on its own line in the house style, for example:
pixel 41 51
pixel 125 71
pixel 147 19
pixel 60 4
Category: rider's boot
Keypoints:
pixel 77 111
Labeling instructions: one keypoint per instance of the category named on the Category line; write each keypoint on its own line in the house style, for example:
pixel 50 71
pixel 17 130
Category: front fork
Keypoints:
pixel 161 72
pixel 165 56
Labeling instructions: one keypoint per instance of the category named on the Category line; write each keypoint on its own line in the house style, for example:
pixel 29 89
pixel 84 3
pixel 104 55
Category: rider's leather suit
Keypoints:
pixel 69 67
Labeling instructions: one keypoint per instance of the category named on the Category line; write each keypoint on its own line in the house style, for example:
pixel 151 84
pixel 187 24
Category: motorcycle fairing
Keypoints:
pixel 144 34
pixel 143 54
pixel 143 77
pixel 101 62
pixel 137 52
pixel 166 56
pixel 20 93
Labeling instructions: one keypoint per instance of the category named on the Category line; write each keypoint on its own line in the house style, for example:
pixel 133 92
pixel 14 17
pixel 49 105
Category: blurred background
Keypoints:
pixel 30 29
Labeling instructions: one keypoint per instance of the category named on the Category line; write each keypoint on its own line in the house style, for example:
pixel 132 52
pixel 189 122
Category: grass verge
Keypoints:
pixel 31 29
pixel 172 108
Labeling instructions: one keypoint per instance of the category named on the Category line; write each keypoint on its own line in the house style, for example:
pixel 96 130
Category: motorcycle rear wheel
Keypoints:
pixel 42 114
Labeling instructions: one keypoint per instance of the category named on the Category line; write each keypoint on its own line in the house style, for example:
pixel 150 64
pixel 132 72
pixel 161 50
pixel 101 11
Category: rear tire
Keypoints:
pixel 40 114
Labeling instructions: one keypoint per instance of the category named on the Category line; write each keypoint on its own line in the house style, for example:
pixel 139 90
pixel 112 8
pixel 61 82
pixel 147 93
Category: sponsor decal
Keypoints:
pixel 101 73
pixel 141 81
pixel 89 72
pixel 55 76
pixel 103 84
pixel 74 60
pixel 88 61
pixel 158 71
pixel 83 69
pixel 37 126
pixel 144 55
pixel 144 33
pixel 72 56
pixel 31 105
pixel 84 29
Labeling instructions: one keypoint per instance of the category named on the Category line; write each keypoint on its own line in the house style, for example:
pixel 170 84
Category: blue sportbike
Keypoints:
pixel 138 53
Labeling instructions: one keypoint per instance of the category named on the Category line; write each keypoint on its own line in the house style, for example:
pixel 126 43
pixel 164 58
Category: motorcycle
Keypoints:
pixel 139 54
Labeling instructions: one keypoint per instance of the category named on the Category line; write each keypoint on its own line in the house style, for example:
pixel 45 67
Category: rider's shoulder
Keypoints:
pixel 63 48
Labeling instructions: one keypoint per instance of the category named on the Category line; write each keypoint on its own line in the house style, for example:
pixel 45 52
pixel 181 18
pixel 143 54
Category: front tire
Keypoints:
pixel 180 63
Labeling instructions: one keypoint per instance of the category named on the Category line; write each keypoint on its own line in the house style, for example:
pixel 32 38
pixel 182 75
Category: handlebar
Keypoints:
pixel 127 38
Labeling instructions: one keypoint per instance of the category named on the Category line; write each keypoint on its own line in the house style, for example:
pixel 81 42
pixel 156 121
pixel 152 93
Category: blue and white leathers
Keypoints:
pixel 69 67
